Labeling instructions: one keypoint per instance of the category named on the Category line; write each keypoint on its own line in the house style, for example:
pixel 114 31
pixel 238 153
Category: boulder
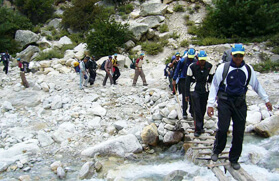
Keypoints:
pixel 173 137
pixel 153 8
pixel 152 21
pixel 44 43
pixel 26 37
pixel 150 135
pixel 27 53
pixel 56 23
pixel 138 29
pixel 65 40
pixel 268 127
pixel 119 146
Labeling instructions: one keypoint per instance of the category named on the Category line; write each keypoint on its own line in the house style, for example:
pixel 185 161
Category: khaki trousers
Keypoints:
pixel 137 74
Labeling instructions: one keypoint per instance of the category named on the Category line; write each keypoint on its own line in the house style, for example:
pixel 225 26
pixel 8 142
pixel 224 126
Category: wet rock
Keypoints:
pixel 118 146
pixel 268 127
pixel 24 178
pixel 61 173
pixel 173 137
pixel 55 165
pixel 87 170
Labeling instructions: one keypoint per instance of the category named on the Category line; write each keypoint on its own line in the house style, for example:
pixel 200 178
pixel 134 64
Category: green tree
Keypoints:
pixel 38 11
pixel 10 22
pixel 241 18
pixel 82 14
pixel 107 36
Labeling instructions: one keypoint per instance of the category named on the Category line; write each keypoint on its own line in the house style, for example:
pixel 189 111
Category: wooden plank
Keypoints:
pixel 217 164
pixel 219 174
pixel 206 131
pixel 205 147
pixel 240 175
pixel 210 152
pixel 209 158
pixel 201 142
pixel 200 137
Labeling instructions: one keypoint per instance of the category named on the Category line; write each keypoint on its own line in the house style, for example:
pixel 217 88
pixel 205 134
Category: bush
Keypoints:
pixel 184 43
pixel 108 35
pixel 178 8
pixel 83 13
pixel 241 19
pixel 163 28
pixel 266 66
pixel 210 41
pixel 127 9
pixel 38 11
pixel 49 55
pixel 152 48
pixel 10 22
pixel 174 35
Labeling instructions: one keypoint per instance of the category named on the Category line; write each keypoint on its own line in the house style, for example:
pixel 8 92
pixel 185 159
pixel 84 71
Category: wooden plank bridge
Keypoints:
pixel 200 150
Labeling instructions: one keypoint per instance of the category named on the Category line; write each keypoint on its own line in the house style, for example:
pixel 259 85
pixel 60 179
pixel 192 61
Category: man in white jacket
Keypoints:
pixel 230 88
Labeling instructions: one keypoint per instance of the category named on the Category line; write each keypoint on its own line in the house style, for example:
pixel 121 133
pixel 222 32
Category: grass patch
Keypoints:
pixel 152 48
pixel 174 35
pixel 178 8
pixel 49 55
pixel 163 28
pixel 184 43
pixel 266 66
pixel 209 41
pixel 128 8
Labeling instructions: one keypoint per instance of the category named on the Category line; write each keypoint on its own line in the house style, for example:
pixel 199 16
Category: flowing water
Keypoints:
pixel 260 158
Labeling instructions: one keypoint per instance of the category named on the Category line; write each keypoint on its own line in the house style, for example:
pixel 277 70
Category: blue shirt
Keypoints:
pixel 181 69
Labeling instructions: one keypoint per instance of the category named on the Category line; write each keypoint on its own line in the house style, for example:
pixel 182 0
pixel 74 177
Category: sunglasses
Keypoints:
pixel 238 55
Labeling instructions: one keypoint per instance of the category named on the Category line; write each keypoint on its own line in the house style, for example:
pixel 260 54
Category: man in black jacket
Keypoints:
pixel 92 67
pixel 202 73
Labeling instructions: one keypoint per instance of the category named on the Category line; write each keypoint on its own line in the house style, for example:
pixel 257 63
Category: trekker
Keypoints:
pixel 139 71
pixel 202 73
pixel 108 67
pixel 230 89
pixel 6 59
pixel 92 67
pixel 171 69
pixel 116 72
pixel 83 74
pixel 180 76
pixel 22 73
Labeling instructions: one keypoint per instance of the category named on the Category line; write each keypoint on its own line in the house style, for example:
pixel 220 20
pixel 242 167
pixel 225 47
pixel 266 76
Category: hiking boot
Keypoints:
pixel 197 134
pixel 145 84
pixel 235 165
pixel 214 157
pixel 202 131
pixel 134 85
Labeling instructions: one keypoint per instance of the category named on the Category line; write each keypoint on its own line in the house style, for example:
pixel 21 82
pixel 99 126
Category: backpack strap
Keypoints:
pixel 249 74
pixel 225 71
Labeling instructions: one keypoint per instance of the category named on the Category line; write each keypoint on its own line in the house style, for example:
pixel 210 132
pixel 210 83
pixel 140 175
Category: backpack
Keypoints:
pixel 103 65
pixel 227 56
pixel 165 70
pixel 133 64
pixel 76 67
pixel 226 70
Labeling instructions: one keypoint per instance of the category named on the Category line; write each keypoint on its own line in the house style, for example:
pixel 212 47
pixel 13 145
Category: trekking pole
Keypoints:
pixel 179 110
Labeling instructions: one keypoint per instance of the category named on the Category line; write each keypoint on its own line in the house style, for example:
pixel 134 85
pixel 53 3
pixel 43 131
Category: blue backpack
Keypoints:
pixel 103 65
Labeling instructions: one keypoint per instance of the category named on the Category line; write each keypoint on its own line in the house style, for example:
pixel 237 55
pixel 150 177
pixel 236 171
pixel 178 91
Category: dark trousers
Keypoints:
pixel 182 90
pixel 199 102
pixel 226 111
pixel 92 76
pixel 106 78
pixel 116 74
pixel 6 67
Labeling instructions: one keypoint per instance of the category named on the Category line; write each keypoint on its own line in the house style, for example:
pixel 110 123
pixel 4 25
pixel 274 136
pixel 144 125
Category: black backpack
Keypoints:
pixel 103 65
pixel 133 64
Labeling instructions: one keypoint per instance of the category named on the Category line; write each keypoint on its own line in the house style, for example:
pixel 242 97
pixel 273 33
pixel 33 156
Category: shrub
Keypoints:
pixel 152 48
pixel 38 11
pixel 210 41
pixel 174 35
pixel 163 28
pixel 266 66
pixel 178 8
pixel 241 18
pixel 126 8
pixel 193 30
pixel 108 35
pixel 10 22
pixel 186 17
pixel 83 13
pixel 184 43
pixel 77 37
pixel 49 55
pixel 190 23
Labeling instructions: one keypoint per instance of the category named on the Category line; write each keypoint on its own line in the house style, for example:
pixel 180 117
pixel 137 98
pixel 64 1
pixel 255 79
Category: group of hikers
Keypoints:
pixel 200 84
pixel 201 87
pixel 89 66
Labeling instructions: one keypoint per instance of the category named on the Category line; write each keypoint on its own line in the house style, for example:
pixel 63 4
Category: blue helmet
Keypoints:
pixel 202 55
pixel 238 49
